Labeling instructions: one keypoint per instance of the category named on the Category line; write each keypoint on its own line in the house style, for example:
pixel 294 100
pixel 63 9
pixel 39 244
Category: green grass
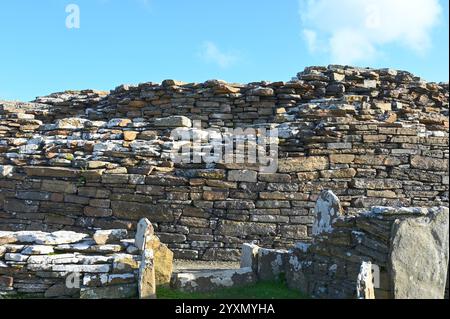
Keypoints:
pixel 260 290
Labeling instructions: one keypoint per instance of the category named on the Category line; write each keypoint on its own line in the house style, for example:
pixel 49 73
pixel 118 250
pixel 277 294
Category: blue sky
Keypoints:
pixel 133 41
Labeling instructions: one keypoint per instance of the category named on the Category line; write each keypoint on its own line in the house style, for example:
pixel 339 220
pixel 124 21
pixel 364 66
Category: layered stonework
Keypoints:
pixel 91 160
pixel 381 253
pixel 66 264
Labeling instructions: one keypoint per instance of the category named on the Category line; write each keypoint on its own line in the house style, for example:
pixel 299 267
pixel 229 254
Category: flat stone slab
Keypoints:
pixel 210 280
pixel 55 238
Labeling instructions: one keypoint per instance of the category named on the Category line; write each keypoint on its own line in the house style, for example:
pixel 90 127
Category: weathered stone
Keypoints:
pixel 55 238
pixel 302 164
pixel 102 237
pixel 109 292
pixel 97 211
pixel 125 263
pixel 232 228
pixel 6 170
pixel 16 257
pixel 328 208
pixel 61 291
pixel 24 206
pixel 144 230
pixel 249 256
pixel 419 270
pixel 7 237
pixel 342 158
pixel 81 268
pixel 118 122
pixel 58 186
pixel 376 183
pixel 262 91
pixel 339 173
pixel 163 260
pixel 51 171
pixel 147 283
pixel 129 135
pixel 173 121
pixel 6 282
pixel 429 163
pixel 271 264
pixel 242 176
pixel 207 281
pixel 294 231
pixel 215 195
pixel 37 250
pixel 364 283
pixel 274 178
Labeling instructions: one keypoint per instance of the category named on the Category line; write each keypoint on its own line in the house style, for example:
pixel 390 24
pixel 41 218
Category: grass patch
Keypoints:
pixel 260 290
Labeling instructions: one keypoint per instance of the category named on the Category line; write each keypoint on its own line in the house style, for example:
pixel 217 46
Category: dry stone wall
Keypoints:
pixel 380 253
pixel 88 160
pixel 66 264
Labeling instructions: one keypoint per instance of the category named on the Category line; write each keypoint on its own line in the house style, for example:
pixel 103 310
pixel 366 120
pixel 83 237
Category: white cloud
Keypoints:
pixel 353 31
pixel 212 54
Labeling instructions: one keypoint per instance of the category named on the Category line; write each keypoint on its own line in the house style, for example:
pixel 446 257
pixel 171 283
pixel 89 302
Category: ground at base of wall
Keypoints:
pixel 260 290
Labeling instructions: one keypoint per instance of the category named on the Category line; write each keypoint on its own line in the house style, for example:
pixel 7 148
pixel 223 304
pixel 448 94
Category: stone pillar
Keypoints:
pixel 249 256
pixel 144 231
pixel 328 208
pixel 143 238
pixel 147 283
pixel 364 285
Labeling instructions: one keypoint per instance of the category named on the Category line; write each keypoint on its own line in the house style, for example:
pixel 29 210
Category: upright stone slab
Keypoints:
pixel 364 285
pixel 144 230
pixel 271 263
pixel 249 256
pixel 163 260
pixel 147 284
pixel 328 208
pixel 163 256
pixel 419 256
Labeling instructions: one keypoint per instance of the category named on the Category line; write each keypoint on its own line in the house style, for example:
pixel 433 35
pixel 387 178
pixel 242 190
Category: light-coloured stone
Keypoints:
pixel 37 250
pixel 163 260
pixel 113 236
pixel 420 256
pixel 249 256
pixel 147 283
pixel 16 257
pixel 364 285
pixel 242 176
pixel 6 170
pixel 328 208
pixel 55 238
pixel 143 230
pixel 303 164
pixel 173 121
pixel 7 237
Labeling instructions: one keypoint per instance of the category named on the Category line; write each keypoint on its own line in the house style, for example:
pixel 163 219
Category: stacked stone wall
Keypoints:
pixel 87 160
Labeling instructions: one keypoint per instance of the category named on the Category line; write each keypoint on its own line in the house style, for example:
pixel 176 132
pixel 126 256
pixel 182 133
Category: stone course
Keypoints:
pixel 87 160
